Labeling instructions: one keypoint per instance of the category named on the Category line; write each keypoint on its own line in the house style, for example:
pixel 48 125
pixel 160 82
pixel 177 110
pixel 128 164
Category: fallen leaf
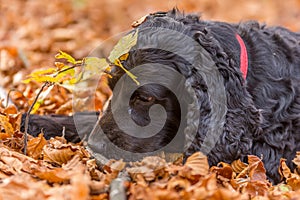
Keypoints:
pixel 238 166
pixel 257 171
pixel 149 168
pixel 224 171
pixel 57 175
pixel 6 125
pixel 256 188
pixel 284 170
pixel 35 146
pixel 139 21
pixel 58 156
pixel 195 166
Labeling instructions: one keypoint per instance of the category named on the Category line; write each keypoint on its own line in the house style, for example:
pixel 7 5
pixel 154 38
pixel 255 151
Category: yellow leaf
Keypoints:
pixel 124 56
pixel 64 55
pixel 123 46
pixel 133 77
pixel 94 66
pixel 41 76
pixel 65 74
pixel 59 65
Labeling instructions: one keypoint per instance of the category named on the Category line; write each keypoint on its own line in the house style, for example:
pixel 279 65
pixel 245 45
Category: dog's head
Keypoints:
pixel 191 95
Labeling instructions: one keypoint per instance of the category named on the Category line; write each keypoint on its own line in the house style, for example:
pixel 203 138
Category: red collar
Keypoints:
pixel 243 56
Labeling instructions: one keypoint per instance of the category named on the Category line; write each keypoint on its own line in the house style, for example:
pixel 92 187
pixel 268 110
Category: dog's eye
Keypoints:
pixel 145 98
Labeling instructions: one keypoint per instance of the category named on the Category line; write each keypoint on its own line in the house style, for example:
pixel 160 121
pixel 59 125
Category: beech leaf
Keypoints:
pixel 123 46
pixel 68 57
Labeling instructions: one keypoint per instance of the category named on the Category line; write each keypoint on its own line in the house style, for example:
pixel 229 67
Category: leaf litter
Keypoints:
pixel 56 169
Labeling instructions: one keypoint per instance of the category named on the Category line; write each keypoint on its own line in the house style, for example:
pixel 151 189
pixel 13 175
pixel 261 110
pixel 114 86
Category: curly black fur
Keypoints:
pixel 263 116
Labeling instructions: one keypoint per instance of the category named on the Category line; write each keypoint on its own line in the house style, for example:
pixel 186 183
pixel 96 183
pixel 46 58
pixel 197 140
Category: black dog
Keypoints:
pixel 260 71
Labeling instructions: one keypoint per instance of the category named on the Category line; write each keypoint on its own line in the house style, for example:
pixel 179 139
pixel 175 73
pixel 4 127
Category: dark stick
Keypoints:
pixel 117 187
pixel 28 114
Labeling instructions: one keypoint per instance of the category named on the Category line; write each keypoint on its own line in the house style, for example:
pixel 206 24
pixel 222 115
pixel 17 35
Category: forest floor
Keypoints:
pixel 33 32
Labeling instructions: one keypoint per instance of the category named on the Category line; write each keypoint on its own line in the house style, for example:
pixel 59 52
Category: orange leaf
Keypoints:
pixel 238 166
pixel 198 163
pixel 294 182
pixel 4 123
pixel 256 188
pixel 35 146
pixel 284 170
pixel 10 109
pixel 58 156
pixel 57 175
pixel 296 160
pixel 225 171
pixel 257 170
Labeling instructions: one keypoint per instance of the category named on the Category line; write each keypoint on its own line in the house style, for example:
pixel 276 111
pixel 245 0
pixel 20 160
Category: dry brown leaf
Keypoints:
pixel 56 175
pixel 35 146
pixel 178 184
pixel 280 191
pixel 10 109
pixel 205 187
pixel 224 171
pixel 149 168
pixel 6 169
pixel 284 170
pixel 114 166
pixel 73 163
pixel 224 194
pixel 16 162
pixel 94 172
pixel 12 164
pixel 98 187
pixel 117 165
pixel 154 162
pixel 22 187
pixel 141 173
pixel 139 21
pixel 198 163
pixel 6 125
pixel 137 192
pixel 58 156
pixel 148 193
pixel 256 188
pixel 60 152
pixel 80 183
pixel 257 171
pixel 195 167
pixel 238 166
pixel 15 121
pixel 294 182
pixel 296 161
pixel 163 194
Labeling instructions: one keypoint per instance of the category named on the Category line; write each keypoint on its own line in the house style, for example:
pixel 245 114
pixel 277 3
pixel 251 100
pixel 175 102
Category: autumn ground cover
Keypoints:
pixel 32 33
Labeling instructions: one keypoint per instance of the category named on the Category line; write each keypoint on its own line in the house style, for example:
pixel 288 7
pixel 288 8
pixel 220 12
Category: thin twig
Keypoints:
pixel 72 67
pixel 28 114
pixel 8 95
